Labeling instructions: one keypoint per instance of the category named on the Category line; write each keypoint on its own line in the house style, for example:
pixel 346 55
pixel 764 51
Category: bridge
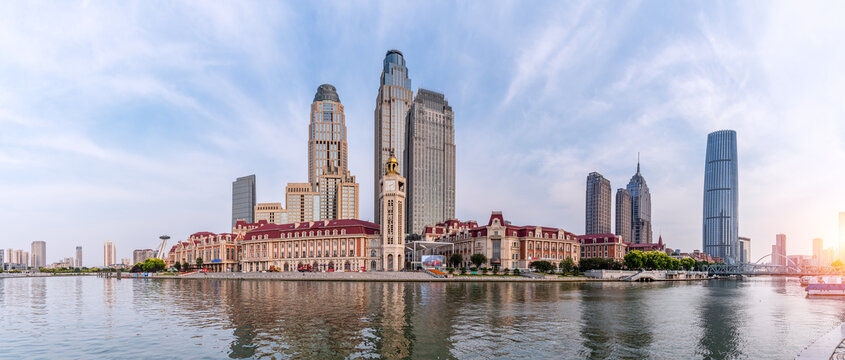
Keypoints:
pixel 758 268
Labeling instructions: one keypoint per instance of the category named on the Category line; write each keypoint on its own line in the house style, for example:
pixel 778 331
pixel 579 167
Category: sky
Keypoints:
pixel 127 120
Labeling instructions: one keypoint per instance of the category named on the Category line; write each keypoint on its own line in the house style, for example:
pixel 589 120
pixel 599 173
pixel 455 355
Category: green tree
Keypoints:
pixel 199 263
pixel 178 266
pixel 634 260
pixel 567 265
pixel 153 265
pixel 687 263
pixel 456 260
pixel 139 267
pixel 542 266
pixel 478 259
pixel 837 264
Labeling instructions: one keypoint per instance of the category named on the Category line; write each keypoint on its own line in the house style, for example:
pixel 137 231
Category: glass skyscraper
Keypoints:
pixel 430 161
pixel 640 209
pixel 243 199
pixel 720 231
pixel 392 104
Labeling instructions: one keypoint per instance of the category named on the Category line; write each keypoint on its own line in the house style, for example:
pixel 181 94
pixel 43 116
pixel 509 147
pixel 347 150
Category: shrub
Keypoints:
pixel 450 270
pixel 516 272
pixel 484 270
pixel 473 268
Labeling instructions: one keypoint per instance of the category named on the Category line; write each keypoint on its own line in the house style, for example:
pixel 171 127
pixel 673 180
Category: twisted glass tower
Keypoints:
pixel 721 226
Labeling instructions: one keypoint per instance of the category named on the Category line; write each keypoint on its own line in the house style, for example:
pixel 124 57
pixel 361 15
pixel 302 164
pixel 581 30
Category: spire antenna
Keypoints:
pixel 638 162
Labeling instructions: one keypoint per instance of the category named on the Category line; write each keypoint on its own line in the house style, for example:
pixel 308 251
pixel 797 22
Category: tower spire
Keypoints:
pixel 638 162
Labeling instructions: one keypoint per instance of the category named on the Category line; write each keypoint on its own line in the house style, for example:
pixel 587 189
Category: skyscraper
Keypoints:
pixel 744 249
pixel 640 209
pixel 623 214
pixel 430 161
pixel 328 171
pixel 243 199
pixel 392 105
pixel 818 251
pixel 302 202
pixel 39 254
pixel 272 213
pixel 597 220
pixel 79 256
pixel 720 228
pixel 109 254
pixel 779 250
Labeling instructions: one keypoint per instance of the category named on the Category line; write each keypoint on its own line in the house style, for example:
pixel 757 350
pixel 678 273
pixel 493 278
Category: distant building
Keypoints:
pixel 641 232
pixel 429 161
pixel 608 246
pixel 646 247
pixel 818 251
pixel 140 255
pixel 243 199
pixel 779 250
pixel 79 256
pixel 597 219
pixel 842 236
pixel 39 254
pixel 272 213
pixel 510 246
pixel 392 105
pixel 2 261
pixel 623 214
pixel 109 254
pixel 721 188
pixel 744 250
pixel 126 262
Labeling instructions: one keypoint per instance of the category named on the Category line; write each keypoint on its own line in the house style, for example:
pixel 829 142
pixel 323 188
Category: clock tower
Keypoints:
pixel 392 204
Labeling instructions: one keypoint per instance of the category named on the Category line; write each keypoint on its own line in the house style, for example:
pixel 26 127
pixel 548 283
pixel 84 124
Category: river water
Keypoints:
pixel 89 317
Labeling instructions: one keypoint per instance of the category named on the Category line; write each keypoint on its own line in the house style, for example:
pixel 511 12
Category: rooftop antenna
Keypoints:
pixel 638 162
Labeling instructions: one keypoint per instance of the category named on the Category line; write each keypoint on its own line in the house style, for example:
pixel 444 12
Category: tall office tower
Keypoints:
pixel 779 250
pixel 39 254
pixel 2 261
pixel 430 161
pixel 640 209
pixel 818 251
pixel 623 214
pixel 9 253
pixel 720 228
pixel 25 258
pixel 392 198
pixel 243 199
pixel 328 164
pixel 597 220
pixel 744 249
pixel 302 203
pixel 109 254
pixel 272 213
pixel 392 106
pixel 78 256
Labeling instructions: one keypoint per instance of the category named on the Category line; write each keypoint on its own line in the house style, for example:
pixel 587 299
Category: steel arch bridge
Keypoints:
pixel 756 268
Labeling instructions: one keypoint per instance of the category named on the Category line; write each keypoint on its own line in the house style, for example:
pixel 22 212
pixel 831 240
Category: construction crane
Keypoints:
pixel 162 248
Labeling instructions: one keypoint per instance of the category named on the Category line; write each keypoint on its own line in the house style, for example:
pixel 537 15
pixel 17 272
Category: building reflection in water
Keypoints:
pixel 615 320
pixel 720 319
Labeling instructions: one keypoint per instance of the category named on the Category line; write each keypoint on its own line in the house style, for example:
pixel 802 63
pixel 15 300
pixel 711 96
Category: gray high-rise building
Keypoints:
pixel 392 105
pixel 39 254
pixel 430 161
pixel 640 209
pixel 598 205
pixel 623 214
pixel 243 199
pixel 78 259
pixel 720 230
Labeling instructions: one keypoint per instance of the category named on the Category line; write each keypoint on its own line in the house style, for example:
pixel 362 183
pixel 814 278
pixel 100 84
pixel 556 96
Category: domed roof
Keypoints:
pixel 326 92
pixel 392 167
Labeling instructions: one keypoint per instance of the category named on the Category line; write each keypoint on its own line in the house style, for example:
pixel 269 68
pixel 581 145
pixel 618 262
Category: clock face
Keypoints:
pixel 390 185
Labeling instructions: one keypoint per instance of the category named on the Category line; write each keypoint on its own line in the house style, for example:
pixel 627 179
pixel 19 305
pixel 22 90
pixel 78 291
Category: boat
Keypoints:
pixel 825 286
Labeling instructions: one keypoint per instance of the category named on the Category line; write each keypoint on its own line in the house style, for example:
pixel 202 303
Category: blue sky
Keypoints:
pixel 128 120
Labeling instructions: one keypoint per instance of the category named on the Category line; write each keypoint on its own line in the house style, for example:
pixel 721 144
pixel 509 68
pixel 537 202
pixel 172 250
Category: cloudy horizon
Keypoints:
pixel 125 121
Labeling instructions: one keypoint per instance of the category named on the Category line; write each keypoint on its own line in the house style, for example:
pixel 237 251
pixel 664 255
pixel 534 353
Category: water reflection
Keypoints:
pixel 718 315
pixel 330 320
